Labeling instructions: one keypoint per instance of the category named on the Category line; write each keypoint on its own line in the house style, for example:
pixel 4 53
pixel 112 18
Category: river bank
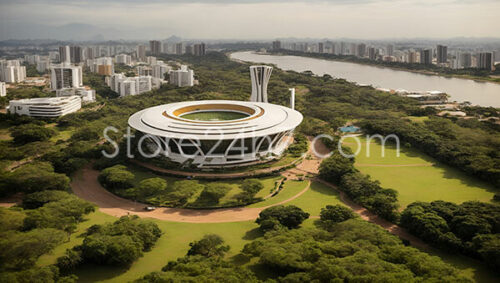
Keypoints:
pixel 490 79
pixel 460 89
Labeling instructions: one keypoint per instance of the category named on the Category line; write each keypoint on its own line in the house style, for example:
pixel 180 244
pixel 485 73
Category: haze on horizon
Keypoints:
pixel 247 19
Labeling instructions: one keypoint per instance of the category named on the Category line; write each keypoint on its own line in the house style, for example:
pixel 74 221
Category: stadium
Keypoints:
pixel 219 132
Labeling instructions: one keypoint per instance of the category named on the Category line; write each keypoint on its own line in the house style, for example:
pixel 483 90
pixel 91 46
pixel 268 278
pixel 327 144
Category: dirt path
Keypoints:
pixel 86 186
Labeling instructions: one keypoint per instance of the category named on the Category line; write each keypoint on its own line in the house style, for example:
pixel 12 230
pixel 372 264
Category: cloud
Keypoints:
pixel 257 19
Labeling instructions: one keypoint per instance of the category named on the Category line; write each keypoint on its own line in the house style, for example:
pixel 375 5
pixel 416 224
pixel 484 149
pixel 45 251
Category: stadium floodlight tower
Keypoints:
pixel 260 77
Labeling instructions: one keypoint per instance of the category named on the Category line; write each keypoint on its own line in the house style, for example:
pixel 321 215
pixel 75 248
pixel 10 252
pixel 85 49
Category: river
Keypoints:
pixel 478 93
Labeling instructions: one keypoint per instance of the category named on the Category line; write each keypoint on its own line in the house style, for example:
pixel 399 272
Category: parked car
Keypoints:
pixel 149 208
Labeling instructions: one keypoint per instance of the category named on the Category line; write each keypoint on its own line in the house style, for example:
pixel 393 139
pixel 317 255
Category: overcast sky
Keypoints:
pixel 257 19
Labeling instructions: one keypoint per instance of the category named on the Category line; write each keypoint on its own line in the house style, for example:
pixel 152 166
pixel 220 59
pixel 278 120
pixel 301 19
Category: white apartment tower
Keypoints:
pixel 3 90
pixel 260 78
pixel 182 77
pixel 65 76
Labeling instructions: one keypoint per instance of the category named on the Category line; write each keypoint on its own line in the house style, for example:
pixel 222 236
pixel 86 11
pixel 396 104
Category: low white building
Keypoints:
pixel 160 69
pixel 43 65
pixel 144 71
pixel 31 59
pixel 11 71
pixel 103 66
pixel 182 77
pixel 86 94
pixel 151 60
pixel 3 90
pixel 48 107
pixel 126 86
pixel 123 59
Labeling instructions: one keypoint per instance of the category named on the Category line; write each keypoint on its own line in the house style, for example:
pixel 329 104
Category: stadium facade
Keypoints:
pixel 216 132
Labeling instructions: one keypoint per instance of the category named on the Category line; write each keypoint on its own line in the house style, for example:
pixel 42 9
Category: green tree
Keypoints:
pixel 116 177
pixel 210 245
pixel 10 219
pixel 213 192
pixel 151 186
pixel 38 199
pixel 183 190
pixel 37 176
pixel 251 186
pixel 21 250
pixel 289 216
pixel 30 133
pixel 335 213
pixel 334 167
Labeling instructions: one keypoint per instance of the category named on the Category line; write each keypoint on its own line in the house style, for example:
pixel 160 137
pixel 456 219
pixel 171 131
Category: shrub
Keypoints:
pixel 116 177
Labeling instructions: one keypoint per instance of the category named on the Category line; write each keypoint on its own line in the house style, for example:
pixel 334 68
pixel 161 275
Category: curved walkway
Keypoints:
pixel 86 186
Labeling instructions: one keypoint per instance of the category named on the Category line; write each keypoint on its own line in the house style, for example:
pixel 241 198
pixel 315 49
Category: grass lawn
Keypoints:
pixel 317 197
pixel 173 243
pixel 290 189
pixel 425 180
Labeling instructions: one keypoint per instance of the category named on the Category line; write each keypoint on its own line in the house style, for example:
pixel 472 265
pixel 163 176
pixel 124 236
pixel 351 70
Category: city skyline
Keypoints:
pixel 222 19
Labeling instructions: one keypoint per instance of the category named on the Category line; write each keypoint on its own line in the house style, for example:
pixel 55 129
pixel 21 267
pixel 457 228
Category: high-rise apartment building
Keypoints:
pixel 412 57
pixel 426 56
pixel 465 60
pixel 321 47
pixel 64 54
pixel 182 77
pixel 43 65
pixel 372 55
pixel 65 76
pixel 260 76
pixel 389 50
pixel 276 45
pixel 179 48
pixel 75 53
pixel 199 49
pixel 3 89
pixel 155 47
pixel 442 54
pixel 12 72
pixel 361 50
pixel 123 59
pixel 343 48
pixel 141 53
pixel 485 61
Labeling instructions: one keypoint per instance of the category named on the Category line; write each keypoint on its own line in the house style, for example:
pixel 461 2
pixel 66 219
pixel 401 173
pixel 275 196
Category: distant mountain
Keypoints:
pixel 174 39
